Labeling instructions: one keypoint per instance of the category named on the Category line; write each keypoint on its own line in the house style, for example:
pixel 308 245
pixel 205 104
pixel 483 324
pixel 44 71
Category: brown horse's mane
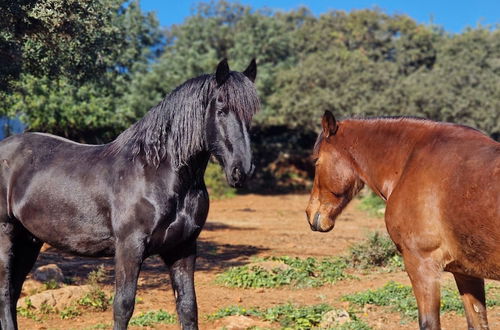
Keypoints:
pixel 403 120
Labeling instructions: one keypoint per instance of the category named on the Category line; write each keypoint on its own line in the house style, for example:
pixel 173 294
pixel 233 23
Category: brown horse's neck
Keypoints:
pixel 380 148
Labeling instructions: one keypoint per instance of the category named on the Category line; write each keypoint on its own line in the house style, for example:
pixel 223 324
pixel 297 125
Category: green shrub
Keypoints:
pixel 400 299
pixel 298 272
pixel 215 180
pixel 97 276
pixel 372 204
pixel 296 317
pixel 47 309
pixel 51 285
pixel 151 318
pixel 29 311
pixel 398 296
pixel 70 312
pixel 233 310
pixel 377 250
pixel 96 298
pixel 289 316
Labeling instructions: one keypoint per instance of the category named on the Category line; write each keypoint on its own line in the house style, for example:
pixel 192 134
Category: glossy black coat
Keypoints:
pixel 131 199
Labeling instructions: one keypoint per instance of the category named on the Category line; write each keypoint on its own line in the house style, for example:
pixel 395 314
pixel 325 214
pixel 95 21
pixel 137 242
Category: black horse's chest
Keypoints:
pixel 182 223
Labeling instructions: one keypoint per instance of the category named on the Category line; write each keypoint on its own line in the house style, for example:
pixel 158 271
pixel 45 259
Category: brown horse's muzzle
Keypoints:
pixel 319 218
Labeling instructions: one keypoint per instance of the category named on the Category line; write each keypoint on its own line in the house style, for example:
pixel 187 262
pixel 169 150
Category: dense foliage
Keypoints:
pixel 88 69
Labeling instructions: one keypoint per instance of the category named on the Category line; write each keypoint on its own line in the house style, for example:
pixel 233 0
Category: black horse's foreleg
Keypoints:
pixel 7 315
pixel 26 250
pixel 128 261
pixel 18 253
pixel 181 267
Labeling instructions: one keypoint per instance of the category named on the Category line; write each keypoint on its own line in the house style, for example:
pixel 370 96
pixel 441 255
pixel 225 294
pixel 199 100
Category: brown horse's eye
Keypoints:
pixel 337 195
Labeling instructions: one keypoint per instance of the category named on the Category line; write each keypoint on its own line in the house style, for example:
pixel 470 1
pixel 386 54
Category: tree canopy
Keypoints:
pixel 87 69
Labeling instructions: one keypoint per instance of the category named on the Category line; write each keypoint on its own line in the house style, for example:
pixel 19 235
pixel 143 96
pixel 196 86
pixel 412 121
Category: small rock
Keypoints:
pixel 333 319
pixel 240 322
pixel 58 298
pixel 31 287
pixel 50 272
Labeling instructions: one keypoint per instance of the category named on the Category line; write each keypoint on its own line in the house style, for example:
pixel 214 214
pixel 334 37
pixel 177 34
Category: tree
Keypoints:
pixel 76 63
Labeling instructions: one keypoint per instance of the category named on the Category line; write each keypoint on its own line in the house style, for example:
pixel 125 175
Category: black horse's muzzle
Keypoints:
pixel 238 175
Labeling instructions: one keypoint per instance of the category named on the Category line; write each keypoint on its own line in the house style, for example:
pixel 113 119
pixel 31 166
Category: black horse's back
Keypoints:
pixel 55 189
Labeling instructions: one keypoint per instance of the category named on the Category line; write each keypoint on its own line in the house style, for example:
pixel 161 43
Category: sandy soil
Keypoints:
pixel 237 230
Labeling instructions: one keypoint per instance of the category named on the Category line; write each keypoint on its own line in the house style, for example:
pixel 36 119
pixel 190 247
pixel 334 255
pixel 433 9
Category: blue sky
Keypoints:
pixel 454 16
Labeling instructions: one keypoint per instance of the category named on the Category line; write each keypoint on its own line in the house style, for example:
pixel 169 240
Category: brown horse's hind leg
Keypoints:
pixel 424 275
pixel 473 296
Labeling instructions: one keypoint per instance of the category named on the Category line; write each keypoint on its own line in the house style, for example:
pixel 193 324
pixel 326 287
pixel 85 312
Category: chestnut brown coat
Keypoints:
pixel 441 183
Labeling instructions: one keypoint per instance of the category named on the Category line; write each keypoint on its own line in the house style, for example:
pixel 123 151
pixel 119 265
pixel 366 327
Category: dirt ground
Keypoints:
pixel 237 230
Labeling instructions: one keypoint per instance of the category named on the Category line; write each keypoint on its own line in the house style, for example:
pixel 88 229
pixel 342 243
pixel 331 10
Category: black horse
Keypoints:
pixel 140 195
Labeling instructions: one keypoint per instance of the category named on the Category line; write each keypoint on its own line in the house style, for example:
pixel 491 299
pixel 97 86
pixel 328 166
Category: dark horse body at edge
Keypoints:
pixel 140 195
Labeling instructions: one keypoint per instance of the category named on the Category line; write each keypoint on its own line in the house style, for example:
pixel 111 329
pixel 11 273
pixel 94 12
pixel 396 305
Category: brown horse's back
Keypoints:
pixel 451 189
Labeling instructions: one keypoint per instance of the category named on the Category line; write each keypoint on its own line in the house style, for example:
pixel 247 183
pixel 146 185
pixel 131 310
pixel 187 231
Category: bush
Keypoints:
pixel 215 180
pixel 289 316
pixel 151 318
pixel 377 250
pixel 298 272
pixel 96 298
pixel 70 312
pixel 374 205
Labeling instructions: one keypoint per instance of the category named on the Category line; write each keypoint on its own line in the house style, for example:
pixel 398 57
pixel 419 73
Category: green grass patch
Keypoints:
pixel 300 273
pixel 377 250
pixel 69 313
pixel 51 285
pixel 216 182
pixel 372 204
pixel 151 318
pixel 29 311
pixel 96 299
pixel 400 299
pixel 289 316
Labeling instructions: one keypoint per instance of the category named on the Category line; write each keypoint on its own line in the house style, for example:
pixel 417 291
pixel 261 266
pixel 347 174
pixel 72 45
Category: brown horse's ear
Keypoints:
pixel 251 71
pixel 329 124
pixel 222 72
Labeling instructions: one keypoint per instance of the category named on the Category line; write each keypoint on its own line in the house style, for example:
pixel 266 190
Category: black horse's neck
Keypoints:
pixel 175 127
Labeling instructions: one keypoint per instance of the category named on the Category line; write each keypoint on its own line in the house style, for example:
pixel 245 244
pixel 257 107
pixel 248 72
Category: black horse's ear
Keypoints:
pixel 251 71
pixel 329 124
pixel 222 72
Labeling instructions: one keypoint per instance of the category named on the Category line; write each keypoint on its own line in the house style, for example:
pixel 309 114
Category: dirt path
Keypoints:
pixel 237 230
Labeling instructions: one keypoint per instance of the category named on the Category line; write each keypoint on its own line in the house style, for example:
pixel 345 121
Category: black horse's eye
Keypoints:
pixel 220 106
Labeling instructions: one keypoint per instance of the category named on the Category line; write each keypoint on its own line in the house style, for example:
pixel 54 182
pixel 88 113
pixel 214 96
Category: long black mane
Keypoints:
pixel 175 127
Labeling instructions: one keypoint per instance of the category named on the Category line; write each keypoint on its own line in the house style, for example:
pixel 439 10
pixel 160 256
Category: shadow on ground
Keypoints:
pixel 211 257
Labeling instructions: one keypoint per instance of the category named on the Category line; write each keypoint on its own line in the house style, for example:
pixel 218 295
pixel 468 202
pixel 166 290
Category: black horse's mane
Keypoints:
pixel 175 126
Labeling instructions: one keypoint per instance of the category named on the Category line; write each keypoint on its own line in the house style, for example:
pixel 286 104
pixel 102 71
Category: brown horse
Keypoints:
pixel 441 183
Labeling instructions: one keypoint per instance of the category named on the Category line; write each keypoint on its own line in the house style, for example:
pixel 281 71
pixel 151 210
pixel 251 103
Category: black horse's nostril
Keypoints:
pixel 238 176
pixel 316 224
